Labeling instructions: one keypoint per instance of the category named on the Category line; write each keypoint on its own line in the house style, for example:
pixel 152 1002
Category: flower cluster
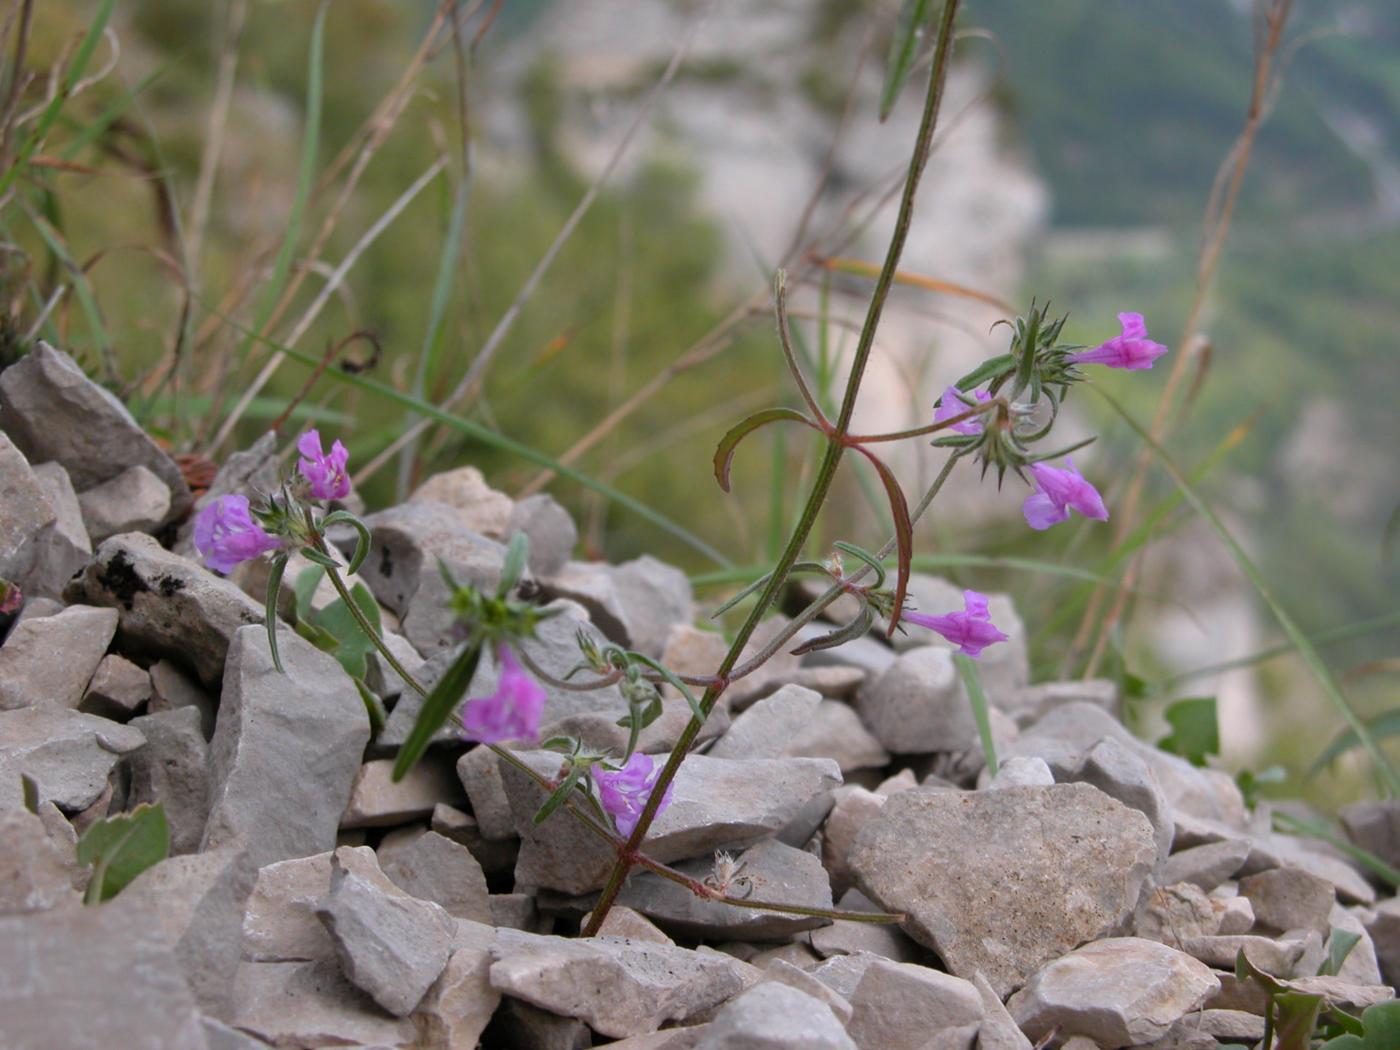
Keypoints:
pixel 512 712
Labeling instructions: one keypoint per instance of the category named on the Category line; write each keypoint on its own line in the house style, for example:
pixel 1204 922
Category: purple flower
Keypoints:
pixel 624 793
pixel 1131 350
pixel 950 405
pixel 971 630
pixel 11 597
pixel 513 711
pixel 226 534
pixel 1057 493
pixel 325 472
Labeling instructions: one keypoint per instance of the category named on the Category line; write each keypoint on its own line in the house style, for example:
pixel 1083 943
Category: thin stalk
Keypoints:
pixel 826 473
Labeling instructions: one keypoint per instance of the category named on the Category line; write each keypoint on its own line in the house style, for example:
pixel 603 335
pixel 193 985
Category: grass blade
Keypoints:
pixel 1246 564
pixel 912 16
pixel 972 681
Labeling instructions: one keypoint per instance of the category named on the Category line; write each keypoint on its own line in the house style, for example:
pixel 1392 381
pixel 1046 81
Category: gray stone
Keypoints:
pixel 1002 881
pixel 773 1016
pixel 897 1006
pixel 999 1029
pixel 1290 899
pixel 1120 773
pixel 479 507
pixel 551 531
pixel 630 925
pixel 133 501
pixel 853 806
pixel 1383 926
pixel 25 512
pixel 461 1001
pixel 1374 825
pixel 518 1023
pixel 1234 1026
pixel 518 911
pixel 1321 859
pixel 195 903
pixel 250 472
pixel 92 979
pixel 52 411
pixel 434 868
pixel 867 654
pixel 716 804
pixel 617 987
pixel 377 801
pixel 172 689
pixel 1361 965
pixel 783 972
pixel 1171 913
pixel 286 748
pixel 635 603
pixel 69 755
pixel 63 547
pixel 1276 958
pixel 172 769
pixel 402 568
pixel 774 872
pixel 770 727
pixel 311 1004
pixel 849 937
pixel 31 670
pixel 117 690
pixel 1335 991
pixel 1119 992
pixel 479 771
pixel 382 679
pixel 836 731
pixel 392 948
pixel 1021 771
pixel 1033 702
pixel 919 705
pixel 219 1036
pixel 168 605
pixel 280 924
pixel 842 973
pixel 1206 866
pixel 38 871
pixel 1004 667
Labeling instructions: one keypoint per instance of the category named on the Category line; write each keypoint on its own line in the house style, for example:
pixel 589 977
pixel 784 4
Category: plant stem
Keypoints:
pixel 370 632
pixel 825 475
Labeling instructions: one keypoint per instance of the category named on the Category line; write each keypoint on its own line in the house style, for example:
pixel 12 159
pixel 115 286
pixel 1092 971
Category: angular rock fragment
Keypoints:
pixel 897 1006
pixel 168 605
pixel 479 770
pixel 849 937
pixel 551 531
pixel 773 1016
pixel 25 512
pixel 172 769
pixel 286 748
pixel 392 948
pixel 172 689
pixel 63 547
pixel 37 870
pixel 518 1023
pixel 786 973
pixel 716 804
pixel 133 501
pixel 1290 899
pixel 1207 865
pixel 479 507
pixel 1122 991
pixel 617 987
pixel 796 722
pixel 1030 704
pixel 47 385
pixel 434 868
pixel 377 801
pixel 31 671
pixel 919 705
pixel 1002 881
pixel 635 603
pixel 311 1004
pixel 999 1029
pixel 1275 957
pixel 1120 773
pixel 461 1001
pixel 117 690
pixel 1021 771
pixel 69 755
pixel 1374 825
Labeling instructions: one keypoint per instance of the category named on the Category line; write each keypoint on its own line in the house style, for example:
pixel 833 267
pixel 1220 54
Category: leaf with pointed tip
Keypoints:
pixel 122 847
pixel 903 534
pixel 514 567
pixel 988 369
pixel 913 14
pixel 274 588
pixel 729 444
pixel 864 555
pixel 560 796
pixel 437 706
pixel 863 621
pixel 362 540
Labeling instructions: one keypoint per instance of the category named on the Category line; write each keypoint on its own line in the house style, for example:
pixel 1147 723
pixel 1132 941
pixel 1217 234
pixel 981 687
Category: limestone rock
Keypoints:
pixel 32 673
pixel 168 605
pixel 1021 771
pixel 1002 881
pixel 636 604
pixel 518 1023
pixel 434 868
pixel 62 548
pixel 1374 825
pixel 117 690
pixel 92 979
pixel 919 705
pixel 1120 773
pixel 461 1001
pixel 47 386
pixel 311 1004
pixel 1033 702
pixel 848 937
pixel 1383 925
pixel 133 501
pixel 172 688
pixel 1207 865
pixel 716 804
pixel 617 987
pixel 286 748
pixel 172 769
pixel 37 870
pixel 853 807
pixel 25 512
pixel 392 948
pixel 897 1006
pixel 376 801
pixel 773 1016
pixel 480 507
pixel 551 531
pixel 783 972
pixel 1290 899
pixel 68 754
pixel 1275 957
pixel 1122 991
pixel 999 1029
pixel 796 722
pixel 480 773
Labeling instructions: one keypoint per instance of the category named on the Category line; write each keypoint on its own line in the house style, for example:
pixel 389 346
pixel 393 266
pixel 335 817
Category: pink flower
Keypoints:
pixel 950 405
pixel 624 793
pixel 226 534
pixel 1059 492
pixel 971 630
pixel 11 598
pixel 512 712
pixel 1131 350
pixel 325 472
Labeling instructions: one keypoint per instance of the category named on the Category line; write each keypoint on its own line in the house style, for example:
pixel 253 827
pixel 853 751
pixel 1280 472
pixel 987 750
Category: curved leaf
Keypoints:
pixel 851 631
pixel 724 452
pixel 903 534
pixel 362 540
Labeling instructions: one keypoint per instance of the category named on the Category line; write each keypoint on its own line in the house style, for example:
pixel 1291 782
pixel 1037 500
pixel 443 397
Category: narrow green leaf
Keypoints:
pixel 324 560
pixel 1385 724
pixel 437 706
pixel 1246 564
pixel 972 682
pixel 82 288
pixel 865 556
pixel 670 676
pixel 122 847
pixel 560 795
pixel 752 588
pixel 517 554
pixel 988 369
pixel 1195 730
pixel 857 628
pixel 1339 946
pixel 1296 1019
pixel 913 14
pixel 373 708
pixel 729 444
pixel 274 589
pixel 362 539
